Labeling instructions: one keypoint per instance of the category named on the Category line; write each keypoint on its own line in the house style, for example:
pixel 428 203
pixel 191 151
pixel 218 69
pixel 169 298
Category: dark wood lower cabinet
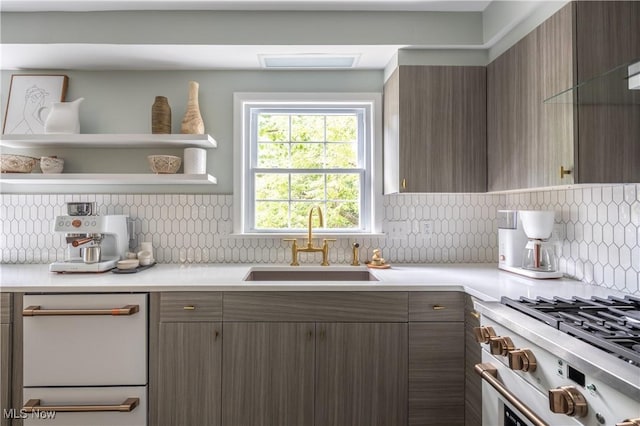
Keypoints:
pixel 190 355
pixel 361 374
pixel 436 373
pixel 268 374
pixel 5 371
pixel 5 356
pixel 301 372
pixel 473 356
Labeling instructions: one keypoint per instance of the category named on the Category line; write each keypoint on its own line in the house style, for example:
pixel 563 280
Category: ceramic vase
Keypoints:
pixel 64 118
pixel 192 121
pixel 161 116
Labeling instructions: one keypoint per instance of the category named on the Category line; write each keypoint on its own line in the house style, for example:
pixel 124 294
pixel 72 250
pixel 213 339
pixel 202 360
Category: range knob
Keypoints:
pixel 501 345
pixel 523 360
pixel 484 334
pixel 629 422
pixel 568 400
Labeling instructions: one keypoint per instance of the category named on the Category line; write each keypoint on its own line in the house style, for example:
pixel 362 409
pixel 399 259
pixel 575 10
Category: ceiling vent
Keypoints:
pixel 309 61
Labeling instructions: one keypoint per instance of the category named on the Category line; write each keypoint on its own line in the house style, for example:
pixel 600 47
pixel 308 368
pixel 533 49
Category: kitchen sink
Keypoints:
pixel 309 275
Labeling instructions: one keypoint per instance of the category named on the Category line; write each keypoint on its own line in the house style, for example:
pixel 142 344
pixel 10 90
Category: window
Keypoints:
pixel 305 152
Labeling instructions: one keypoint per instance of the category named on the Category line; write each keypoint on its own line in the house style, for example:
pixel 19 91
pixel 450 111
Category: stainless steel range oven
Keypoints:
pixel 560 362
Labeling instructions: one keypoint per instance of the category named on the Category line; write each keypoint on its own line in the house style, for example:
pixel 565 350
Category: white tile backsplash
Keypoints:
pixel 600 226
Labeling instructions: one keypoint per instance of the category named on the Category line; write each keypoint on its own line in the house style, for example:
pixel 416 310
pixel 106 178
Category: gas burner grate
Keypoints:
pixel 611 324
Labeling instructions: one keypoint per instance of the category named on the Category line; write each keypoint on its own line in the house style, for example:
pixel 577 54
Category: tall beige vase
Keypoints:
pixel 192 121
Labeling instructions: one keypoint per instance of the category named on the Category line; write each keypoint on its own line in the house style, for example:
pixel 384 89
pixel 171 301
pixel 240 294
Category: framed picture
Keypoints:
pixel 30 99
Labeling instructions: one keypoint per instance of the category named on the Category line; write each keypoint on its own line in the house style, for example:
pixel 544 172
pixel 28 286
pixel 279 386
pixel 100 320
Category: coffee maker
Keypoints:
pixel 523 246
pixel 94 243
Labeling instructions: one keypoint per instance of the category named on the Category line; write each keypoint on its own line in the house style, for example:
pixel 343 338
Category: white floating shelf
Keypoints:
pixel 106 179
pixel 103 140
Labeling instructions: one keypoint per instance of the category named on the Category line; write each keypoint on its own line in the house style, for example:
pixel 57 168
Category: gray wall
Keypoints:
pixel 120 102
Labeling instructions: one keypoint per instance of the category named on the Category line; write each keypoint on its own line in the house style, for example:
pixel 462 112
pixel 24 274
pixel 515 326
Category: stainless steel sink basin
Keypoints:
pixel 309 275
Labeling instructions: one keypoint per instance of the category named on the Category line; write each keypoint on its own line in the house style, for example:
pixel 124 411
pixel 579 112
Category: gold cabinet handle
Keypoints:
pixel 189 308
pixel 475 314
pixel 127 406
pixel 37 311
pixel 489 373
pixel 564 172
pixel 404 183
pixel 439 308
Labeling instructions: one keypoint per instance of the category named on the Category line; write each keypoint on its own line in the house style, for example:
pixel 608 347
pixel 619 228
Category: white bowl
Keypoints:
pixel 128 264
pixel 51 164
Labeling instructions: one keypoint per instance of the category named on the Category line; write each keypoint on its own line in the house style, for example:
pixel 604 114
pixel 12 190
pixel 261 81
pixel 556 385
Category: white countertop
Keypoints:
pixel 484 281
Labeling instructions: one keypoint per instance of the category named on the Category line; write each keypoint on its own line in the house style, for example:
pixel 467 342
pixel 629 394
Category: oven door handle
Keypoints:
pixel 36 311
pixel 127 406
pixel 489 373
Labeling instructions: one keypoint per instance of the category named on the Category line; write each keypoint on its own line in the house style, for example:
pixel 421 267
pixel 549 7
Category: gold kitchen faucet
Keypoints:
pixel 310 248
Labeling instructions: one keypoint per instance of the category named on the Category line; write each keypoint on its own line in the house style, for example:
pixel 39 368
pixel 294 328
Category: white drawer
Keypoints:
pixel 85 350
pixel 86 396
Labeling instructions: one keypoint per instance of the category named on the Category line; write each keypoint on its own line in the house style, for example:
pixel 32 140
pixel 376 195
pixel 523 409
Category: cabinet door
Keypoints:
pixel 361 374
pixel 189 374
pixel 268 374
pixel 436 373
pixel 5 371
pixel 607 36
pixel 435 129
pixel 473 356
pixel 5 355
pixel 527 140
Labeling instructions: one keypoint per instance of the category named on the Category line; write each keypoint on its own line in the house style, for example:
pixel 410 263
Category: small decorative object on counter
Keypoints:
pixel 51 164
pixel 377 261
pixel 161 116
pixel 192 121
pixel 64 118
pixel 195 161
pixel 164 164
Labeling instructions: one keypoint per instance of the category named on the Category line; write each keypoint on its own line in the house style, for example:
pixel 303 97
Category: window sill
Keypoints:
pixel 304 235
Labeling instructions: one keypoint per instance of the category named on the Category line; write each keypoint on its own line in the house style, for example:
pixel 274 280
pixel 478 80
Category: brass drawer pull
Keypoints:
pixel 439 308
pixel 127 406
pixel 36 311
pixel 475 314
pixel 189 308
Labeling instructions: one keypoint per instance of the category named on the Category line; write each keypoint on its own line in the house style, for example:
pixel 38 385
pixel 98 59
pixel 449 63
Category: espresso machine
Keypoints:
pixel 94 243
pixel 523 243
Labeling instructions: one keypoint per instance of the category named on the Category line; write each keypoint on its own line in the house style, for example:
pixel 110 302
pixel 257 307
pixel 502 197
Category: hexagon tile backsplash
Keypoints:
pixel 600 224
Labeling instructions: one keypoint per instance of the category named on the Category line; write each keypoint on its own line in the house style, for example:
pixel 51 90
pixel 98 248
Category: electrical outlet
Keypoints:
pixel 398 230
pixel 426 229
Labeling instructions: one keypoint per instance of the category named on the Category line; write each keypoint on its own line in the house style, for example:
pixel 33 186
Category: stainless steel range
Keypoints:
pixel 557 361
pixel 611 324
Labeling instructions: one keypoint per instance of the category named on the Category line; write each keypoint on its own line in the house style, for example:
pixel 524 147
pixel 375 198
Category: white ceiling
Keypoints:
pixel 326 5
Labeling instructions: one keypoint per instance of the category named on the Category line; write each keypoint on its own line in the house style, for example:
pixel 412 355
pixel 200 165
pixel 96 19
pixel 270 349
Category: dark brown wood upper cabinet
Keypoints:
pixel 530 141
pixel 435 129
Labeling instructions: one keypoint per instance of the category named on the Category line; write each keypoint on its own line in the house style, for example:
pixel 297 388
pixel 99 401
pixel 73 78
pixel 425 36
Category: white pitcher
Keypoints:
pixel 64 117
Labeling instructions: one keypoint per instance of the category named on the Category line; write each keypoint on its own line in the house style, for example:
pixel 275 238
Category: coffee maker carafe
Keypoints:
pixel 523 243
pixel 538 253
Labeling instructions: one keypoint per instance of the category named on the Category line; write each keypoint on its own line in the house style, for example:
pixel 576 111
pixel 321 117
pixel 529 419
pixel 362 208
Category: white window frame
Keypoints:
pixel 372 162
